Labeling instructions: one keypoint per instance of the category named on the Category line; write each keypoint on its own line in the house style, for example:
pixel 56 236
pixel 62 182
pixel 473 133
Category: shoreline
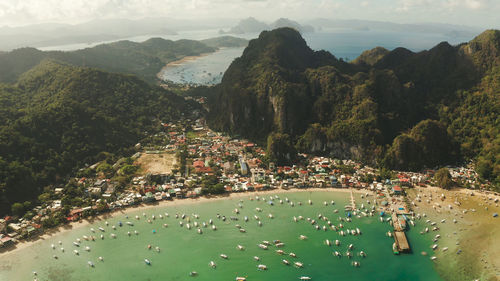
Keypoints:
pixel 54 232
pixel 471 241
pixel 181 61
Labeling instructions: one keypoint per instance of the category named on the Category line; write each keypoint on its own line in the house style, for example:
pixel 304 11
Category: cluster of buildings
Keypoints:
pixel 237 165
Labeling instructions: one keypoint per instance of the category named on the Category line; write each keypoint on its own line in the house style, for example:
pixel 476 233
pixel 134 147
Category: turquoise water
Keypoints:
pixel 183 250
pixel 205 70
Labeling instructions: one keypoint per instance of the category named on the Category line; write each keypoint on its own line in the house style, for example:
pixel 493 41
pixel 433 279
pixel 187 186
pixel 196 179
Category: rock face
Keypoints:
pixel 353 110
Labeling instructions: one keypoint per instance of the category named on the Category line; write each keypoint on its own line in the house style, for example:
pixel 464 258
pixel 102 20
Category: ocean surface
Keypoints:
pixel 184 250
pixel 343 43
pixel 204 70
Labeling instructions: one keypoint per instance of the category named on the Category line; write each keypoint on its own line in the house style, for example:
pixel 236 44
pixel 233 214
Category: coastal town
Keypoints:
pixel 191 161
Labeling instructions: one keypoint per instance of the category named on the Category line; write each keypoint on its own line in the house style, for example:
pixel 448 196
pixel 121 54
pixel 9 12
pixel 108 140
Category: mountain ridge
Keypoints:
pixel 357 110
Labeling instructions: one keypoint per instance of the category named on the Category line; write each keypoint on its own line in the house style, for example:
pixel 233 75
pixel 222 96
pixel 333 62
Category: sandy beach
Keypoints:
pixel 180 62
pixel 472 241
pixel 165 203
pixel 473 234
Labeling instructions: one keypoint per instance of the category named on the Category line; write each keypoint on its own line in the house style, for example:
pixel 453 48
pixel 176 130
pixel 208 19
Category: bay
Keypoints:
pixel 183 250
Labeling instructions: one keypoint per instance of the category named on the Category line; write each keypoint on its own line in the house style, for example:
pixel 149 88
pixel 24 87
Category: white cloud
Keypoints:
pixel 19 12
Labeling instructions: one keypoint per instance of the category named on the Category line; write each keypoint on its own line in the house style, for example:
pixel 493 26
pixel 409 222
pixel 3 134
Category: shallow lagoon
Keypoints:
pixel 183 250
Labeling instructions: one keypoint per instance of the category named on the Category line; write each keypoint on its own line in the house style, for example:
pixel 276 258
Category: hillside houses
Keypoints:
pixel 214 163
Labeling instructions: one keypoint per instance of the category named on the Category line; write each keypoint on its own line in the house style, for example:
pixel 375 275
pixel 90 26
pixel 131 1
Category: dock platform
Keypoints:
pixel 401 241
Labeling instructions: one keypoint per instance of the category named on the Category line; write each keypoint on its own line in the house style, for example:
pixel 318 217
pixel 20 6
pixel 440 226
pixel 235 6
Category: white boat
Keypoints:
pixel 328 243
pixel 130 223
pixel 358 231
pixel 188 226
pixel 76 244
pixel 302 237
pixel 91 264
pixel 240 278
pixel 148 262
pixel 113 227
pixel 285 262
pixel 348 254
pixel 53 246
pixel 199 231
pixel 102 237
pixel 305 278
pixel 246 218
pixel 101 259
pixel 355 264
pixel 271 216
pixel 212 264
pixel 256 258
pixel 337 242
pixel 298 264
pixel 128 233
pixel 113 235
pixel 293 255
pixel 242 230
pixel 445 249
pixel 241 248
pixel 309 202
pixel 92 229
pixel 62 249
pixel 262 246
pixel 55 257
pixel 214 227
pixel 262 267
pixel 224 256
pixel 280 244
pixel 76 252
pixel 101 229
pixel 259 223
pixel 280 252
pixel 181 223
pixel 336 253
pixel 87 249
pixel 157 249
pixel 434 247
pixel 433 258
pixel 362 254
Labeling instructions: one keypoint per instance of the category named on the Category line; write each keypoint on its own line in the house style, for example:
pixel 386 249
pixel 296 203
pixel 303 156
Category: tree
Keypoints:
pixel 105 168
pixel 129 169
pixel 485 168
pixel 443 178
pixel 44 197
pixel 17 209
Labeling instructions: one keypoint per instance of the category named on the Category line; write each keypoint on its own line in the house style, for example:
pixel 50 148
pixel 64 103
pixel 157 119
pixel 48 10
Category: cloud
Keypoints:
pixel 19 12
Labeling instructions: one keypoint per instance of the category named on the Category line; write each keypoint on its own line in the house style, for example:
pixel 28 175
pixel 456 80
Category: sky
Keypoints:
pixel 480 13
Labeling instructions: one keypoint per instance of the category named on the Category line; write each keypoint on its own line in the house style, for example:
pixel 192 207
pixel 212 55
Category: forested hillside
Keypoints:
pixel 397 109
pixel 58 117
pixel 143 59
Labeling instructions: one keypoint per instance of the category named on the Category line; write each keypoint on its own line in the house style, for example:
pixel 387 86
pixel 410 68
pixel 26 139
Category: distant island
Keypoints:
pixel 252 25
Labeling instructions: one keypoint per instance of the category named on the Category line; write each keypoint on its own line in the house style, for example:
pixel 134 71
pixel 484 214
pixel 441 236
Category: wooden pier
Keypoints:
pixel 401 241
pixel 399 235
pixel 353 202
